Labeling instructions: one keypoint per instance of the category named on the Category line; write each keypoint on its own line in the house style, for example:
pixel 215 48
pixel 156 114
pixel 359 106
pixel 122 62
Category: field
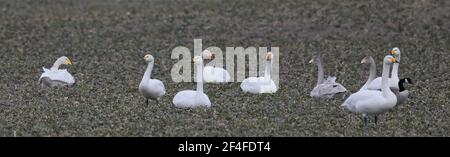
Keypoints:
pixel 108 39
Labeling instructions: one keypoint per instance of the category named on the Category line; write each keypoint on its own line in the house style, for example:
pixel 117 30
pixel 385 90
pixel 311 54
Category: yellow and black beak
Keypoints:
pixel 394 60
pixel 69 62
pixel 393 52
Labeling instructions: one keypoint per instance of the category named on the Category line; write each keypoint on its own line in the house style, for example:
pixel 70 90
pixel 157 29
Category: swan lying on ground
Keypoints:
pixel 191 98
pixel 374 102
pixel 57 77
pixel 393 81
pixel 259 85
pixel 325 88
pixel 214 74
pixel 151 88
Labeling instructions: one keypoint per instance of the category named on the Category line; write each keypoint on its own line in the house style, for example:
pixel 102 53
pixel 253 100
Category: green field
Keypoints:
pixel 108 39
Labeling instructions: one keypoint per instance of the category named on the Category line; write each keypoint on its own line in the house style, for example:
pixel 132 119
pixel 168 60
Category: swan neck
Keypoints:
pixel 268 69
pixel 320 72
pixel 395 70
pixel 199 78
pixel 148 71
pixel 385 80
pixel 56 65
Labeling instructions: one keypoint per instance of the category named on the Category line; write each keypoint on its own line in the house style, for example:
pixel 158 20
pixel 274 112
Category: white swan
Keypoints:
pixel 151 88
pixel 258 85
pixel 191 98
pixel 57 77
pixel 393 81
pixel 325 88
pixel 372 73
pixel 374 102
pixel 214 74
pixel 403 93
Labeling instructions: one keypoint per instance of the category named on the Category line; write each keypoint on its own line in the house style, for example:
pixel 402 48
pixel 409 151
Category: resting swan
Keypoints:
pixel 151 88
pixel 191 98
pixel 393 81
pixel 374 102
pixel 214 74
pixel 258 85
pixel 57 77
pixel 373 71
pixel 325 88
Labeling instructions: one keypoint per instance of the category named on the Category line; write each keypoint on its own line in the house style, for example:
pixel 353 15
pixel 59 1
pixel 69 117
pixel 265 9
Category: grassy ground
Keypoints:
pixel 107 40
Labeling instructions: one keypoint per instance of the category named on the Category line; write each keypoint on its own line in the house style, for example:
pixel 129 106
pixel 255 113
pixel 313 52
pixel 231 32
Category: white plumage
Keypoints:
pixel 374 102
pixel 191 98
pixel 214 74
pixel 258 85
pixel 393 80
pixel 151 88
pixel 57 77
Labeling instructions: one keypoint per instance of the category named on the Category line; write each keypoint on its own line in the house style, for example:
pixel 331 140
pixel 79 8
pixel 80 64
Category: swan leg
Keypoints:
pixel 146 101
pixel 376 119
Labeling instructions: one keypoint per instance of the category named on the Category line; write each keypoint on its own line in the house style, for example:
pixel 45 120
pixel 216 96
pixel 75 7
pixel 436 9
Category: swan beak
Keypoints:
pixel 363 61
pixel 193 60
pixel 394 60
pixel 393 52
pixel 69 62
pixel 311 61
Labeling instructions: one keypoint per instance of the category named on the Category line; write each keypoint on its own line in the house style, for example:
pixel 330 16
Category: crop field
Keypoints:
pixel 107 40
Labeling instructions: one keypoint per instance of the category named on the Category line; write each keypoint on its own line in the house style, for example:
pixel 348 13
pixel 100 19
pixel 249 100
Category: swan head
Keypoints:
pixel 207 54
pixel 367 60
pixel 149 58
pixel 64 61
pixel 269 56
pixel 390 59
pixel 315 59
pixel 396 52
pixel 197 60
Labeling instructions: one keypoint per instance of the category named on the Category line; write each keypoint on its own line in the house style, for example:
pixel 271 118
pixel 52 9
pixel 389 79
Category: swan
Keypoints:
pixel 374 102
pixel 403 93
pixel 258 85
pixel 214 74
pixel 373 71
pixel 393 80
pixel 151 88
pixel 325 88
pixel 57 77
pixel 191 98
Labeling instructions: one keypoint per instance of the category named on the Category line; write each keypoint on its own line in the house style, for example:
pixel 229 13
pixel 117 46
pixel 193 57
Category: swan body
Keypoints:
pixel 191 98
pixel 151 88
pixel 393 80
pixel 57 77
pixel 325 88
pixel 214 74
pixel 374 102
pixel 259 85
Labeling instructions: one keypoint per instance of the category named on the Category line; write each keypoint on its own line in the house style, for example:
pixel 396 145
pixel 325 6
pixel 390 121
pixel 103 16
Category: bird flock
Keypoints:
pixel 376 96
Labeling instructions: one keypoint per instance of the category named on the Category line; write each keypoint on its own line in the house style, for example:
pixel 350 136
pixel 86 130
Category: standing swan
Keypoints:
pixel 191 98
pixel 373 71
pixel 258 85
pixel 214 74
pixel 151 88
pixel 57 77
pixel 374 102
pixel 393 81
pixel 325 88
